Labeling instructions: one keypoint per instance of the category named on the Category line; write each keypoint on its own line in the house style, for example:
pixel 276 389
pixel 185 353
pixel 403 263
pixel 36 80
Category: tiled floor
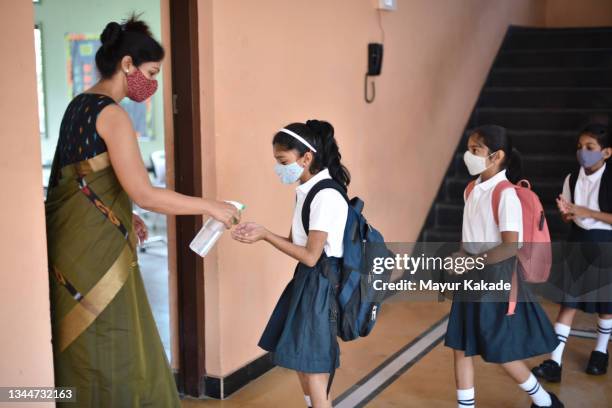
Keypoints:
pixel 399 323
pixel 429 382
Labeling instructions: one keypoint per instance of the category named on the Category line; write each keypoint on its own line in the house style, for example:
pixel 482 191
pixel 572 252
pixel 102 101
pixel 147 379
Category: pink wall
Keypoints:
pixel 270 62
pixel 25 336
pixel 578 13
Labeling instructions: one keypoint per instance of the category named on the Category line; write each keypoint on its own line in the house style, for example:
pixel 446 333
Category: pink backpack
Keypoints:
pixel 535 255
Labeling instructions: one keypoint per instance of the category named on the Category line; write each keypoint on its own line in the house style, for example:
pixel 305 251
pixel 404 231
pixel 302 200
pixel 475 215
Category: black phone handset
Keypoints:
pixel 375 56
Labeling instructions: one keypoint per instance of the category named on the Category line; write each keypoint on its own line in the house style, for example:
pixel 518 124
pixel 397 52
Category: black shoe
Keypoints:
pixel 555 402
pixel 549 370
pixel 598 363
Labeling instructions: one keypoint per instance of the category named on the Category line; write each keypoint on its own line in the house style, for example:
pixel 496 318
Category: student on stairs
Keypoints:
pixel 586 203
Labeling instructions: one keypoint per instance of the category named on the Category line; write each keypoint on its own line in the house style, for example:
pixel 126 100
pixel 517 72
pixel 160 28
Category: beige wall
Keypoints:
pixel 25 334
pixel 267 63
pixel 578 13
pixel 264 64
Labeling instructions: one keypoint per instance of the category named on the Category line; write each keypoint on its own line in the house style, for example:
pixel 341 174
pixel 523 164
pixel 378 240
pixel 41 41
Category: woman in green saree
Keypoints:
pixel 105 340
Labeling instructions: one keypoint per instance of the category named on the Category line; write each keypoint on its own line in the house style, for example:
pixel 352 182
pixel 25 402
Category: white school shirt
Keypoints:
pixel 328 212
pixel 478 222
pixel 586 194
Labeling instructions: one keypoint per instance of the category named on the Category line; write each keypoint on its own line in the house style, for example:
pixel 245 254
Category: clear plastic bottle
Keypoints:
pixel 210 233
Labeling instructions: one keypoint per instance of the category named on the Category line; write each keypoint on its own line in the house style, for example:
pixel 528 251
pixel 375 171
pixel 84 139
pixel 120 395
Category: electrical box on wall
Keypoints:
pixel 389 5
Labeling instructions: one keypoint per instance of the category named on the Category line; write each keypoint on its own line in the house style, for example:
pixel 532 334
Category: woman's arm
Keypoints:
pixel 251 232
pixel 114 126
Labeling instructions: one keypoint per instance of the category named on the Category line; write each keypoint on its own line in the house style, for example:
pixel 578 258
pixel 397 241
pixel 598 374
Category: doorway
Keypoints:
pixel 66 37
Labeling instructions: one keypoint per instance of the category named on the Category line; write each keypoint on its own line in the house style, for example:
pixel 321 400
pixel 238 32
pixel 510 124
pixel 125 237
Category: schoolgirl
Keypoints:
pixel 299 332
pixel 586 203
pixel 485 327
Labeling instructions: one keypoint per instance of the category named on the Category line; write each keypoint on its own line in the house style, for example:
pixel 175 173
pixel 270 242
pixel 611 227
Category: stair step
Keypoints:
pixel 564 119
pixel 537 97
pixel 534 39
pixel 441 235
pixel 545 142
pixel 553 77
pixel 535 141
pixel 551 58
pixel 545 85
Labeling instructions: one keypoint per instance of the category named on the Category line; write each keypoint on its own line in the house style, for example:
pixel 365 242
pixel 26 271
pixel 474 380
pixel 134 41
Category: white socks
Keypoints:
pixel 562 331
pixel 308 402
pixel 604 328
pixel 465 398
pixel 538 395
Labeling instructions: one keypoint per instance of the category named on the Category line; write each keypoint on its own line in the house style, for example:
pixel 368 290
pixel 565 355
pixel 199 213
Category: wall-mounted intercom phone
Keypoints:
pixel 375 58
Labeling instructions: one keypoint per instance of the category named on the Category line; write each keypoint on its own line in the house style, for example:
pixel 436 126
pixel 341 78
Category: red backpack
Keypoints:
pixel 535 255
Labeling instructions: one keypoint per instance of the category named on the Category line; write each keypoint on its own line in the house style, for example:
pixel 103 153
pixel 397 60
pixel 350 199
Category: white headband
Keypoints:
pixel 298 137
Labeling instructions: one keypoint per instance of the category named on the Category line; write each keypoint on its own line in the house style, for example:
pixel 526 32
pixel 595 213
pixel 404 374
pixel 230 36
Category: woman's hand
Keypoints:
pixel 227 213
pixel 249 232
pixel 140 228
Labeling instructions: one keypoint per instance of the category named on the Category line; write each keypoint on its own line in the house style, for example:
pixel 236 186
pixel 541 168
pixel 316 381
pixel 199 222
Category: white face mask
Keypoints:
pixel 475 164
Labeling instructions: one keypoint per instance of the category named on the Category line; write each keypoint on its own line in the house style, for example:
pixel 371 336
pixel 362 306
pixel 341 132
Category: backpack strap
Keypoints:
pixel 496 198
pixel 468 189
pixel 498 189
pixel 321 185
pixel 497 192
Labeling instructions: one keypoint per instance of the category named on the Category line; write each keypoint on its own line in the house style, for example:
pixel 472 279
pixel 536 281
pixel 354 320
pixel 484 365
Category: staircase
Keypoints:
pixel 545 84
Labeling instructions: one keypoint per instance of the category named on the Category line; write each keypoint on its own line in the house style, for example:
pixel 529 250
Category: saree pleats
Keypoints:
pixel 105 340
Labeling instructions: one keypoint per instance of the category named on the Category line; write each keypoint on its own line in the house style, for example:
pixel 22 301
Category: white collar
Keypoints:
pixel 492 182
pixel 591 178
pixel 321 175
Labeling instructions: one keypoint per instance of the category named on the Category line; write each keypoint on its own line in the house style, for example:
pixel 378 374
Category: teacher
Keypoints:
pixel 105 340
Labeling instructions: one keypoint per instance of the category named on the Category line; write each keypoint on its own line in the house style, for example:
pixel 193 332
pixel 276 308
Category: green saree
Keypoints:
pixel 105 341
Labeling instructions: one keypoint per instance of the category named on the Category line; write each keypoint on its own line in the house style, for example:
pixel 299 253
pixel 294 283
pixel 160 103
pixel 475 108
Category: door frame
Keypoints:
pixel 188 180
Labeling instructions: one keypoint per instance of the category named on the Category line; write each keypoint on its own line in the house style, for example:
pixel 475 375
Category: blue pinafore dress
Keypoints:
pixel 482 326
pixel 301 332
pixel 587 279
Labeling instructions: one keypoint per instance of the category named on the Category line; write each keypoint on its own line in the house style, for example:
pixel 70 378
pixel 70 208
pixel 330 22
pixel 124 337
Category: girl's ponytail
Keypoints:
pixel 329 153
pixel 514 166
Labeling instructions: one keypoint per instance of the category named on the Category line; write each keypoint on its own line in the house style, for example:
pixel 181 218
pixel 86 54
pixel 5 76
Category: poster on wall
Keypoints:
pixel 82 74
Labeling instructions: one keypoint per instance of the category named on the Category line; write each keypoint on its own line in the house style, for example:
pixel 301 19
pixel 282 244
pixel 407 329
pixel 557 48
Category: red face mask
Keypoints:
pixel 139 87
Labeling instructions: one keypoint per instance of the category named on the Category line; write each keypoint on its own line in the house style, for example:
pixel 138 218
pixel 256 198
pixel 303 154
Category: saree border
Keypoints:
pixel 89 307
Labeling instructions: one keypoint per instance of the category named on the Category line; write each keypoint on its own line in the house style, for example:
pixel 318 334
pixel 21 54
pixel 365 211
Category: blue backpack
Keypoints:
pixel 357 303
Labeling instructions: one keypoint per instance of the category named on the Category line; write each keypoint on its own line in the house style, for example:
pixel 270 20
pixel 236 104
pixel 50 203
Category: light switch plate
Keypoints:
pixel 389 5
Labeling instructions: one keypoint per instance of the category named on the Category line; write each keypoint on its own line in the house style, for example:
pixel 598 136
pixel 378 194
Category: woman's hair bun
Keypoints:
pixel 110 35
pixel 133 24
